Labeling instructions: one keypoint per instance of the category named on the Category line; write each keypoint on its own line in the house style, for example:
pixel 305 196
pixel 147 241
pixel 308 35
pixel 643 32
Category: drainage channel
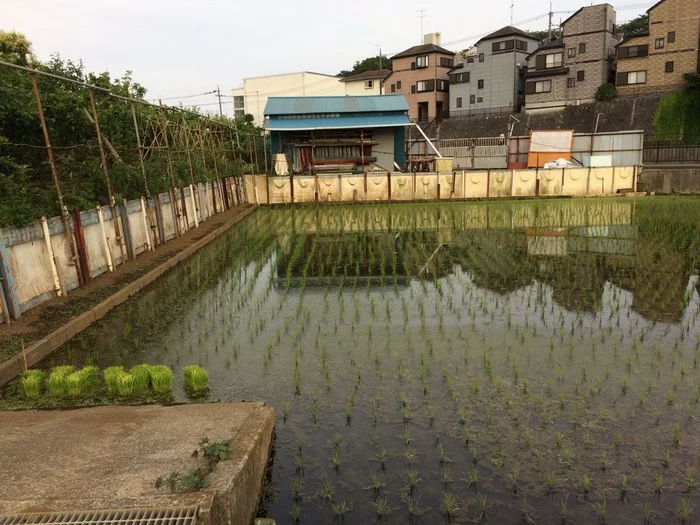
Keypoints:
pixel 140 516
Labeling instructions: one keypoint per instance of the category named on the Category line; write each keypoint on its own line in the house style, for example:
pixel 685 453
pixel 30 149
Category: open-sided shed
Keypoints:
pixel 336 134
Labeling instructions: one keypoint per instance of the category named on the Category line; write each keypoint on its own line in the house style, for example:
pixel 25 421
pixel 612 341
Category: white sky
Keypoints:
pixel 177 48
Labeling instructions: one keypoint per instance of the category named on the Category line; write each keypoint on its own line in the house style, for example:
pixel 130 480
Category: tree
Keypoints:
pixel 634 26
pixel 606 92
pixel 542 34
pixel 14 47
pixel 368 64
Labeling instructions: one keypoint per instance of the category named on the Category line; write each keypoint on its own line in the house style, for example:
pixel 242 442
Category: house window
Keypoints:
pixel 633 51
pixel 659 43
pixel 459 102
pixel 570 82
pixel 506 45
pixel 631 77
pixel 422 61
pixel 398 84
pixel 446 62
pixel 369 84
pixel 423 86
pixel 581 48
pixel 541 86
pixel 480 99
pixel 553 60
pixel 669 67
pixel 671 37
pixel 581 76
pixel 239 102
pixel 413 89
pixel 472 99
pixel 443 85
pixel 521 45
pixel 481 57
pixel 459 78
pixel 393 88
pixel 480 83
pixel 470 60
pixel 571 52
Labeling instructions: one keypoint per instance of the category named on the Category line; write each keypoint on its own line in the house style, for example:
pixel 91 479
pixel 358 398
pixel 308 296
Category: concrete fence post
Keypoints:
pixel 146 229
pixel 7 284
pixel 194 206
pixel 52 257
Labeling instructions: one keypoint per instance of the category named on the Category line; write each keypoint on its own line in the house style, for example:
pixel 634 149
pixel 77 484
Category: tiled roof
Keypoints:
pixel 357 104
pixel 507 31
pixel 368 75
pixel 421 50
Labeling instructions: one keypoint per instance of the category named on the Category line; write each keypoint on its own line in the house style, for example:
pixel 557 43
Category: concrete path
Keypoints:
pixel 109 458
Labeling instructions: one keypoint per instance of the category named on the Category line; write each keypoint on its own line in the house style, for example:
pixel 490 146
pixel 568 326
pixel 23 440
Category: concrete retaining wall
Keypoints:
pixel 28 264
pixel 670 180
pixel 446 186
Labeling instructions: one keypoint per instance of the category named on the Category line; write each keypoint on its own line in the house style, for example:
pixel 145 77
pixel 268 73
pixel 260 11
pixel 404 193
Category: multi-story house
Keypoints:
pixel 366 83
pixel 252 96
pixel 656 60
pixel 489 77
pixel 569 70
pixel 421 74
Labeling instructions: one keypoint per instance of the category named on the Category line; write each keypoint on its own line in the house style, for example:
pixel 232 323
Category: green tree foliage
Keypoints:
pixel 542 34
pixel 634 26
pixel 26 188
pixel 678 116
pixel 368 64
pixel 606 91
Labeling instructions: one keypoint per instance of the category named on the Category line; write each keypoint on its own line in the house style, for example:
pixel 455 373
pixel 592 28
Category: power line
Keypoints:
pixel 185 96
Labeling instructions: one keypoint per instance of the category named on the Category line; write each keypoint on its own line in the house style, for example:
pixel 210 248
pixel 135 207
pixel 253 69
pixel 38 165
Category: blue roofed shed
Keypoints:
pixel 322 134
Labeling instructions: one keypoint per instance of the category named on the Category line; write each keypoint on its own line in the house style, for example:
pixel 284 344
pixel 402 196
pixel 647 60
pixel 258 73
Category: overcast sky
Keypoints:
pixel 176 47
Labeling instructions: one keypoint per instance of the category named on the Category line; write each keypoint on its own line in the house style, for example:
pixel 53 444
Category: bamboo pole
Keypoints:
pixel 173 199
pixel 54 173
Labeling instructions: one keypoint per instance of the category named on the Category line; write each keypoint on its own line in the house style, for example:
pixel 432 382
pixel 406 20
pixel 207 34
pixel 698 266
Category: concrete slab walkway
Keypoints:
pixel 109 458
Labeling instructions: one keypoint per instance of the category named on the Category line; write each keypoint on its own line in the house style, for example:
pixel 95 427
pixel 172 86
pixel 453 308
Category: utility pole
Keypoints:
pixel 549 29
pixel 512 5
pixel 218 94
pixel 422 13
pixel 381 80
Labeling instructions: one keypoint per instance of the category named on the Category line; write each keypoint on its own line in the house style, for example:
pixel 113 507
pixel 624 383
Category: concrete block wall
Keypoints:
pixel 36 268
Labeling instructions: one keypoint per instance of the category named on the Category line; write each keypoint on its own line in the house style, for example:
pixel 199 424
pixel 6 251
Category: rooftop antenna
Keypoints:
pixel 512 5
pixel 422 13
pixel 549 29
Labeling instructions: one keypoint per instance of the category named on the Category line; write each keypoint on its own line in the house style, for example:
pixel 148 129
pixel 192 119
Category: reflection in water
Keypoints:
pixel 542 338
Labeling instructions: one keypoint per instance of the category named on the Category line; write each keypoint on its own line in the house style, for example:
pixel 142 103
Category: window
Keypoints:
pixel 659 43
pixel 446 62
pixel 459 102
pixel 422 62
pixel 398 84
pixel 393 88
pixel 570 82
pixel 459 78
pixel 632 51
pixel 443 85
pixel 413 89
pixel 480 83
pixel 631 77
pixel 238 112
pixel 541 86
pixel 369 84
pixel 481 57
pixel 506 45
pixel 423 86
pixel 669 67
pixel 581 48
pixel 581 76
pixel 470 60
pixel 571 52
pixel 521 45
pixel 671 37
pixel 480 99
pixel 549 61
pixel 472 99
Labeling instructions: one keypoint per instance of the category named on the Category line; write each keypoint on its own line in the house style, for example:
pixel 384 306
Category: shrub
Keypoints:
pixel 196 378
pixel 56 383
pixel 606 92
pixel 161 379
pixel 110 376
pixel 32 383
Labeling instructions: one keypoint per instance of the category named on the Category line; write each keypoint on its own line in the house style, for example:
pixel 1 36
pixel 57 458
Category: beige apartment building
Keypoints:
pixel 366 83
pixel 656 60
pixel 421 74
pixel 569 70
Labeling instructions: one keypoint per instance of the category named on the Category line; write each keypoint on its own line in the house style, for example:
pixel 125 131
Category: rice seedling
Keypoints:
pixel 684 510
pixel 125 384
pixel 142 378
pixel 448 505
pixel 412 480
pixel 340 510
pixel 659 484
pixel 688 479
pixel 295 513
pixel 327 490
pixel 32 383
pixel 81 382
pixel 564 510
pixel 381 507
pixel 196 379
pixel 513 477
pixel 56 382
pixel 161 379
pixel 376 484
pixel 586 484
pixel 297 485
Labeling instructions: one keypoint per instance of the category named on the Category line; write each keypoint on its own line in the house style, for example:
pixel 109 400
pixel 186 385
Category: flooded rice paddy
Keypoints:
pixel 508 362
